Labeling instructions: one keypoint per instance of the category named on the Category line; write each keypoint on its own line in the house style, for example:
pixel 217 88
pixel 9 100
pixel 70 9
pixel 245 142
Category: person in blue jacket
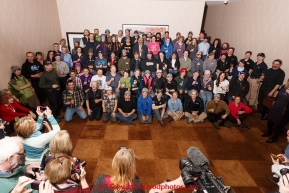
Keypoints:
pixel 194 82
pixel 167 48
pixel 144 107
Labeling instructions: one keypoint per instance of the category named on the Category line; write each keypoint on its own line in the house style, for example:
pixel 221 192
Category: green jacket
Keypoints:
pixel 21 81
pixel 181 83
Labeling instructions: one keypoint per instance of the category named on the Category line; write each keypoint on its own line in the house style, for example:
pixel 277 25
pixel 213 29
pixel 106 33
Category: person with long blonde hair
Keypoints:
pixel 124 178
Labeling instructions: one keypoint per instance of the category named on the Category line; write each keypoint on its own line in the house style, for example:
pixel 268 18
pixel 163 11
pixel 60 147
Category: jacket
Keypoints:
pixel 91 97
pixel 196 86
pixel 92 45
pixel 186 63
pixel 181 83
pixel 175 106
pixel 149 64
pixel 147 82
pixel 197 105
pixel 144 105
pixel 168 50
pixel 29 69
pixel 241 107
pixel 206 84
pixel 239 88
pixel 123 64
pixel 177 64
pixel 218 107
pixel 132 64
pixel 159 83
pixel 236 72
pixel 137 84
pixel 61 67
pixel 7 114
pixel 143 52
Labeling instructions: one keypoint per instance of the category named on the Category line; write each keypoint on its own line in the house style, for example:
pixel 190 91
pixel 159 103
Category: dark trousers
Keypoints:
pixel 263 93
pixel 54 99
pixel 40 92
pixel 9 129
pixel 278 129
pixel 183 97
pixel 62 83
pixel 216 117
pixel 234 120
pixel 95 114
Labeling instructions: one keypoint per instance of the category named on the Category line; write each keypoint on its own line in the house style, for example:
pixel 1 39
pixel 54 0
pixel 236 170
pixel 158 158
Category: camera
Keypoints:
pixel 35 185
pixel 77 167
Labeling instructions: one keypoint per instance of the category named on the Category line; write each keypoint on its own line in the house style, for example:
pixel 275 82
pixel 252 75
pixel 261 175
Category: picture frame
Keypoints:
pixel 145 28
pixel 73 37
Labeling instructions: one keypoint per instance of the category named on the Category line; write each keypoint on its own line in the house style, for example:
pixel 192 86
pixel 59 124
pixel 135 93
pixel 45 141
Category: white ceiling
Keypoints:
pixel 217 2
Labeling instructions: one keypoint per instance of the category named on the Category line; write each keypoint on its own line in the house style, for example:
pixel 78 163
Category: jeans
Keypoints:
pixel 230 99
pixel 70 112
pixel 153 74
pixel 206 96
pixel 149 121
pixel 54 99
pixel 158 112
pixel 107 116
pixel 95 114
pixel 174 72
pixel 126 120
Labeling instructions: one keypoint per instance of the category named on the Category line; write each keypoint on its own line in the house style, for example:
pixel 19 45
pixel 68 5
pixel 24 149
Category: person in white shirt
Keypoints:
pixel 204 47
pixel 102 79
pixel 119 35
pixel 221 86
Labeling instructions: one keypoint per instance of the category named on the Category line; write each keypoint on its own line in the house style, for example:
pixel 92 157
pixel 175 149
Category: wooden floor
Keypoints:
pixel 240 156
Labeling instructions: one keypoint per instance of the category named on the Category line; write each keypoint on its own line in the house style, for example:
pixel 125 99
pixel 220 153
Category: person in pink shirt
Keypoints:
pixel 154 47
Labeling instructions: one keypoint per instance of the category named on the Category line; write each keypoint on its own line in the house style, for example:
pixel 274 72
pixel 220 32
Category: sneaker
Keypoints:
pixel 188 120
pixel 216 125
pixel 132 123
pixel 227 124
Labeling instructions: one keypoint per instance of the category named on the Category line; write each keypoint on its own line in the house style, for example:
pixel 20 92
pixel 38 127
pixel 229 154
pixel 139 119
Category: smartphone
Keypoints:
pixel 275 157
pixel 42 108
pixel 35 185
pixel 122 147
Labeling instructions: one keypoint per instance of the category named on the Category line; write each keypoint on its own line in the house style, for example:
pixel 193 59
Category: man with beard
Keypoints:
pixel 224 49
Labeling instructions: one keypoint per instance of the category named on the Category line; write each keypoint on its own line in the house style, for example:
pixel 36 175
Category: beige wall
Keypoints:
pixel 29 25
pixel 256 25
pixel 75 15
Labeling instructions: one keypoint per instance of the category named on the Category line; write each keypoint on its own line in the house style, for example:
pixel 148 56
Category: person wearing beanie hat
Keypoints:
pixel 126 109
pixel 174 64
pixel 170 86
pixel 22 88
pixel 218 111
pixel 144 107
pixel 197 63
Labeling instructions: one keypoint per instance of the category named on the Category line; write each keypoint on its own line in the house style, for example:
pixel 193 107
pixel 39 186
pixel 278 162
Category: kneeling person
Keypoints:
pixel 73 98
pixel 194 108
pixel 126 109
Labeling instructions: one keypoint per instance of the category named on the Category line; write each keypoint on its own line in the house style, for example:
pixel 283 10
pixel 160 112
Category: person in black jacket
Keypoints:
pixel 141 48
pixel 170 86
pixel 135 63
pixel 159 82
pixel 238 87
pixel 174 64
pixel 215 47
pixel 149 64
pixel 249 62
pixel 194 108
pixel 231 58
pixel 91 44
pixel 94 102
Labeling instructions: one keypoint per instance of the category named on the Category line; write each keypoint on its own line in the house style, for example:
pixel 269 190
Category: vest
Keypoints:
pixel 92 97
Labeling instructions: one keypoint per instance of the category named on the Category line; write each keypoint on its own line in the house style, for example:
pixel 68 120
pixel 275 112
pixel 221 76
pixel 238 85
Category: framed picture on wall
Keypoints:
pixel 145 28
pixel 73 37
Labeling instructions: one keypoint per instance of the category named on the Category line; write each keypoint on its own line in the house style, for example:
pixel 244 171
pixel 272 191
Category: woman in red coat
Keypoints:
pixel 10 112
pixel 238 112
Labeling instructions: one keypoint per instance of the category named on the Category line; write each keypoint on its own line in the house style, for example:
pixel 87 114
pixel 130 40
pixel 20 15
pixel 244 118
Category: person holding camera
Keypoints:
pixel 35 143
pixel 124 178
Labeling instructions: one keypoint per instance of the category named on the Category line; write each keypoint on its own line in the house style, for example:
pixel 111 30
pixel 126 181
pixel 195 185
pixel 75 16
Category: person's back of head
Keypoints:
pixel 58 170
pixel 25 127
pixel 9 146
pixel 61 144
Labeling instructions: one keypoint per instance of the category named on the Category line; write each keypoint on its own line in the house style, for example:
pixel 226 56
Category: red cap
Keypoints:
pixel 183 70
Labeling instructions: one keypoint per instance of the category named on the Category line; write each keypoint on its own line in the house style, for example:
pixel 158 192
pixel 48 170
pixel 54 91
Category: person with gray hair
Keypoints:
pixel 194 108
pixel 11 155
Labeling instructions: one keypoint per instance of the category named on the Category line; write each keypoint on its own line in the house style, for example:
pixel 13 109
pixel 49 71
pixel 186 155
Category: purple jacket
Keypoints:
pixel 86 80
pixel 103 48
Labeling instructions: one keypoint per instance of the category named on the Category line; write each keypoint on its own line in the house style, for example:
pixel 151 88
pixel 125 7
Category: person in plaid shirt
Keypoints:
pixel 73 98
pixel 77 81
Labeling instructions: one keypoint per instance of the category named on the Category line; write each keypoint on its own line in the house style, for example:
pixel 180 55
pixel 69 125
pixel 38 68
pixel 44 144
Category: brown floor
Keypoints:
pixel 239 156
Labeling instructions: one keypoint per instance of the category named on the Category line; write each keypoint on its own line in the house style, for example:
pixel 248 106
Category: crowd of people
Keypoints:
pixel 120 79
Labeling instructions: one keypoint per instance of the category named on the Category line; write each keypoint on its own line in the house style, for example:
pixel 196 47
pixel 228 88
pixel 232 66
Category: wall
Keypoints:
pixel 75 16
pixel 29 25
pixel 259 26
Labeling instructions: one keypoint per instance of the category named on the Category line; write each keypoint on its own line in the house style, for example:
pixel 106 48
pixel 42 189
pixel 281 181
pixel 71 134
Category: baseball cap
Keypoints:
pixel 108 88
pixel 144 90
pixel 217 95
pixel 127 92
pixel 147 72
pixel 107 30
pixel 183 70
pixel 205 37
pixel 124 50
pixel 261 54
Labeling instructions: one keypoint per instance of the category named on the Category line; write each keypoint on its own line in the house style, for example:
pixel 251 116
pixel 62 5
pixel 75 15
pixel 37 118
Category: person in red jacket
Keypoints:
pixel 238 112
pixel 10 112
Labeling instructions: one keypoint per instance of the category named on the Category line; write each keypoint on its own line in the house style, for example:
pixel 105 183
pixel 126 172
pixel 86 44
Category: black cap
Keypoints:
pixel 261 54
pixel 242 72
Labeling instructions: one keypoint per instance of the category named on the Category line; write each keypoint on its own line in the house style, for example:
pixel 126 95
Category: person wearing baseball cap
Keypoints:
pixel 107 36
pixel 126 109
pixel 197 63
pixel 159 107
pixel 170 86
pixel 235 71
pixel 159 82
pixel 144 107
pixel 218 111
pixel 181 85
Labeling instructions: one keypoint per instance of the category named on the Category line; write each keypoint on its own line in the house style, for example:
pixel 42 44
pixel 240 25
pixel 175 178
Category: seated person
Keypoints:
pixel 123 62
pixel 182 85
pixel 109 105
pixel 112 79
pixel 126 109
pixel 170 86
pixel 124 178
pixel 136 83
pixel 235 71
pixel 11 155
pixel 175 108
pixel 159 107
pixel 238 112
pixel 221 86
pixel 238 87
pixel 218 111
pixel 73 98
pixel 149 64
pixel 159 82
pixel 207 84
pixel 222 65
pixel 197 63
pixel 94 102
pixel 35 143
pixel 194 108
pixel 144 107
pixel 100 62
pixel 194 82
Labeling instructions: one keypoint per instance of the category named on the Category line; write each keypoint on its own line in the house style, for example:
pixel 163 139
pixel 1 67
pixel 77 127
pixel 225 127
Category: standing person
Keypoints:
pixel 180 47
pixel 100 62
pixel 128 47
pixel 238 112
pixel 218 111
pixel 66 57
pixel 159 39
pixel 49 81
pixel 114 46
pixel 224 49
pixel 91 45
pixel 50 57
pixel 162 63
pixel 73 98
pixel 145 40
pixel 175 108
pixel 126 109
pixel 21 87
pixel 181 85
pixel 201 36
pixel 167 35
pixel 107 36
pixel 149 64
pixel 89 59
pixel 194 108
pixel 124 83
pixel 197 64
pixel 238 87
pixel 135 38
pixel 32 71
pixel 167 48
pixel 62 43
pixel 170 87
pixel 76 46
pixel 278 114
pixel 77 81
pixel 62 71
pixel 159 107
pixel 215 48
pixel 85 80
pixel 193 48
pixel 136 83
pixel 39 58
pixel 204 47
pixel 102 79
pixel 231 58
pixel 78 57
pixel 109 105
pixel 178 34
pixel 235 71
pixel 85 38
pixel 102 46
pixel 127 35
pixel 189 39
pixel 141 48
pixel 56 49
pixel 123 62
pixel 96 35
pixel 119 36
pixel 207 86
pixel 256 76
pixel 144 107
pixel 194 82
pixel 94 102
pixel 221 86
pixel 186 62
pixel 154 47
pixel 174 64
pixel 112 80
pixel 135 63
pixel 249 62
pixel 210 64
pixel 273 79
